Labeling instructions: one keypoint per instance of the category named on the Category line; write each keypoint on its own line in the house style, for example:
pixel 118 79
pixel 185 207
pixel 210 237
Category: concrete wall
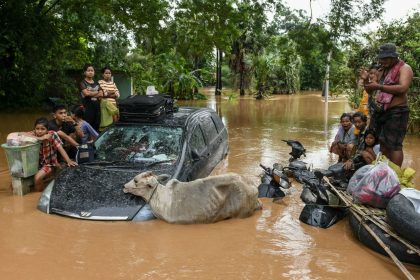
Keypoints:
pixel 124 84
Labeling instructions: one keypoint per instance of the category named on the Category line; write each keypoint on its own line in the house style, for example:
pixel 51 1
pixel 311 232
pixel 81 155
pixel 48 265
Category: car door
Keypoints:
pixel 197 154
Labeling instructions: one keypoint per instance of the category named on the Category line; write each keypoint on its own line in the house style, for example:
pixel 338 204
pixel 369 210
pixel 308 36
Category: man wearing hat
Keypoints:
pixel 391 122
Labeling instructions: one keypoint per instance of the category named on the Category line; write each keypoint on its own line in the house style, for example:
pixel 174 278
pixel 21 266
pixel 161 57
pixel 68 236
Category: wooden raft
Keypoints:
pixel 376 216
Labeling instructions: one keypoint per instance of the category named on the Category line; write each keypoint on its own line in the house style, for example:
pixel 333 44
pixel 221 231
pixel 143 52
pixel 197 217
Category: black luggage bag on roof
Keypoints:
pixel 145 106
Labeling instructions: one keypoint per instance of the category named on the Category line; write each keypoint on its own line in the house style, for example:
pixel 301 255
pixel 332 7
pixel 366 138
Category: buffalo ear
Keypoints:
pixel 163 178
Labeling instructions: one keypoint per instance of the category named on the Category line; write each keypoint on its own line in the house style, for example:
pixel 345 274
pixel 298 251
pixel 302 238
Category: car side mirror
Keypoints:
pixel 194 155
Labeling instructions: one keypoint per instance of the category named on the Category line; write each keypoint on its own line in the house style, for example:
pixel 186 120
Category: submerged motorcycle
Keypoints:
pixel 273 182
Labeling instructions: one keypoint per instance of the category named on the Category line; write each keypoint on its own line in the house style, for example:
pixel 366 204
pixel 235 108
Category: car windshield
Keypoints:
pixel 140 143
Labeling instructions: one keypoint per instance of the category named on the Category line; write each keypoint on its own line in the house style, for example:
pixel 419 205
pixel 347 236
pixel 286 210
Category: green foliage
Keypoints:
pixel 43 39
pixel 231 95
pixel 414 105
pixel 406 35
pixel 171 44
pixel 277 69
pixel 168 72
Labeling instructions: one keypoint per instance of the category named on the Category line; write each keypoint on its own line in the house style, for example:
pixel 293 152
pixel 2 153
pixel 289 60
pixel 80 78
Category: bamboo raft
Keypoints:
pixel 366 214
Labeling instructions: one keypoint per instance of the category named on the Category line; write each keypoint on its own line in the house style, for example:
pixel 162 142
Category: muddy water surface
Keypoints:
pixel 272 244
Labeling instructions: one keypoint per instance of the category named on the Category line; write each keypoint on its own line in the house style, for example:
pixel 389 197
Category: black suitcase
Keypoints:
pixel 145 106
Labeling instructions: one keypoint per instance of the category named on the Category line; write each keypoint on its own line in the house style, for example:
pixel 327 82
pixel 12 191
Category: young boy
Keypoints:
pixel 65 127
pixel 50 144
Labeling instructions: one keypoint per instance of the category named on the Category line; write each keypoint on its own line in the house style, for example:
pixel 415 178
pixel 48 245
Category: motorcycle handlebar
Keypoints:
pixel 266 169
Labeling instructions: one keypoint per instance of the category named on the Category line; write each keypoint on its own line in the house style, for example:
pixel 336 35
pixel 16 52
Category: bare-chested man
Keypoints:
pixel 394 79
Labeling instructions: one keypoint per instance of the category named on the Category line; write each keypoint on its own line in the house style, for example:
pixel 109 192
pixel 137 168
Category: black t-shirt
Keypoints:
pixel 91 87
pixel 66 127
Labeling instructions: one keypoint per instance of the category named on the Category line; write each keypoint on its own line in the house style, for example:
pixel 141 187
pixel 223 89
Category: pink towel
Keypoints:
pixel 391 78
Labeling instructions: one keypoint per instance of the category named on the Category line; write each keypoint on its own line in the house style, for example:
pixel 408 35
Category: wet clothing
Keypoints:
pixel 108 110
pixel 341 141
pixel 65 127
pixel 108 105
pixel 91 104
pixel 391 127
pixel 346 137
pixel 364 104
pixel 391 78
pixel 361 145
pixel 109 86
pixel 48 152
pixel 88 132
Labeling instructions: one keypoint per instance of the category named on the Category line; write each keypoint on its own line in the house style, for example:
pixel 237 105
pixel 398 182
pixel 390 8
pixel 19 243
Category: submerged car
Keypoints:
pixel 186 145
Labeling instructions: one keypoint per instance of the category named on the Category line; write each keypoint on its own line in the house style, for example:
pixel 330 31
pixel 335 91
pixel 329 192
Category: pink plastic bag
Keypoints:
pixel 377 186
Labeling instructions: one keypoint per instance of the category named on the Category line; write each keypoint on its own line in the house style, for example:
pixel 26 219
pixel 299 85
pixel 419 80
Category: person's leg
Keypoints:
pixel 39 180
pixel 350 150
pixel 396 157
pixel 393 134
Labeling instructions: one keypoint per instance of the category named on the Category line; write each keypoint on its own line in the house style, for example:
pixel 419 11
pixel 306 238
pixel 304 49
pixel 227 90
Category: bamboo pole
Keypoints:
pixel 353 209
pixel 383 245
pixel 372 218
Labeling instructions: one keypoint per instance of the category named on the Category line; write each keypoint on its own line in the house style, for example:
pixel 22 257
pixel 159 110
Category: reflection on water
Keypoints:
pixel 272 244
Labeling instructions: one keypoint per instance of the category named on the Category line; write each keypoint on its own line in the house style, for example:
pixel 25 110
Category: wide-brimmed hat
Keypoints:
pixel 387 50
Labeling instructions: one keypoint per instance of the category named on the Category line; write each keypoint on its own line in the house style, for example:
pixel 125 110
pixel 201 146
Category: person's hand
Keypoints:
pixel 45 137
pixel 69 120
pixel 363 73
pixel 373 86
pixel 347 165
pixel 71 163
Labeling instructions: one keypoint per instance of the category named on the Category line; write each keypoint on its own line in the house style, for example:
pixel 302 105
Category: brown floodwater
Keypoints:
pixel 272 244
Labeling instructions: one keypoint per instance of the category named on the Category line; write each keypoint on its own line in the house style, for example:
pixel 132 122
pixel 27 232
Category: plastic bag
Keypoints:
pixel 378 185
pixel 20 139
pixel 405 175
pixel 357 176
pixel 151 90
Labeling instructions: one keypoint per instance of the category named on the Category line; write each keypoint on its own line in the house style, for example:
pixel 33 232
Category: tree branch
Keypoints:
pixel 51 7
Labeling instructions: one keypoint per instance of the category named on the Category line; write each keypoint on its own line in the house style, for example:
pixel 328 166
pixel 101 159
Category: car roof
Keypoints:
pixel 178 118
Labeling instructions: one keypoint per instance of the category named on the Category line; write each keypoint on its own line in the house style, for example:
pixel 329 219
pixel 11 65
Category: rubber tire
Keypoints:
pixel 403 218
pixel 396 247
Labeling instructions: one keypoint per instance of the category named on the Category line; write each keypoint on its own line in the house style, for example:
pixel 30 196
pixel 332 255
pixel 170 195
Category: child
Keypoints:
pixel 360 123
pixel 89 133
pixel 369 154
pixel 373 107
pixel 109 109
pixel 50 144
pixel 365 155
pixel 345 138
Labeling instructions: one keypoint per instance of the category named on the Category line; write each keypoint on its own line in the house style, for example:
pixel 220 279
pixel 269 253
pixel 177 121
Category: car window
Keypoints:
pixel 139 143
pixel 209 128
pixel 218 122
pixel 197 140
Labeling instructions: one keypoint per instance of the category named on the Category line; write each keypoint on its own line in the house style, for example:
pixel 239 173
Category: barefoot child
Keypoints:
pixel 50 144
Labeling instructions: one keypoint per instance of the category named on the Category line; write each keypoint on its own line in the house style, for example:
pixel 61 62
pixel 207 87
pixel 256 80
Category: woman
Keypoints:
pixel 91 92
pixel 109 110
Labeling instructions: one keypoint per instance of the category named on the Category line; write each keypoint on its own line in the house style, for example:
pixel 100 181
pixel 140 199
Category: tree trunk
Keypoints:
pixel 326 86
pixel 196 73
pixel 242 75
pixel 219 59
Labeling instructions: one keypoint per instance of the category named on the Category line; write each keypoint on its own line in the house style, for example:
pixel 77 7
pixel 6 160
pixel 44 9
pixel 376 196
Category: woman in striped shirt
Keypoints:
pixel 109 109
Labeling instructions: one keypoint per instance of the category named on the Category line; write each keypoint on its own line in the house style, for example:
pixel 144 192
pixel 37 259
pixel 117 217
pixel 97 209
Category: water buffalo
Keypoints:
pixel 205 200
